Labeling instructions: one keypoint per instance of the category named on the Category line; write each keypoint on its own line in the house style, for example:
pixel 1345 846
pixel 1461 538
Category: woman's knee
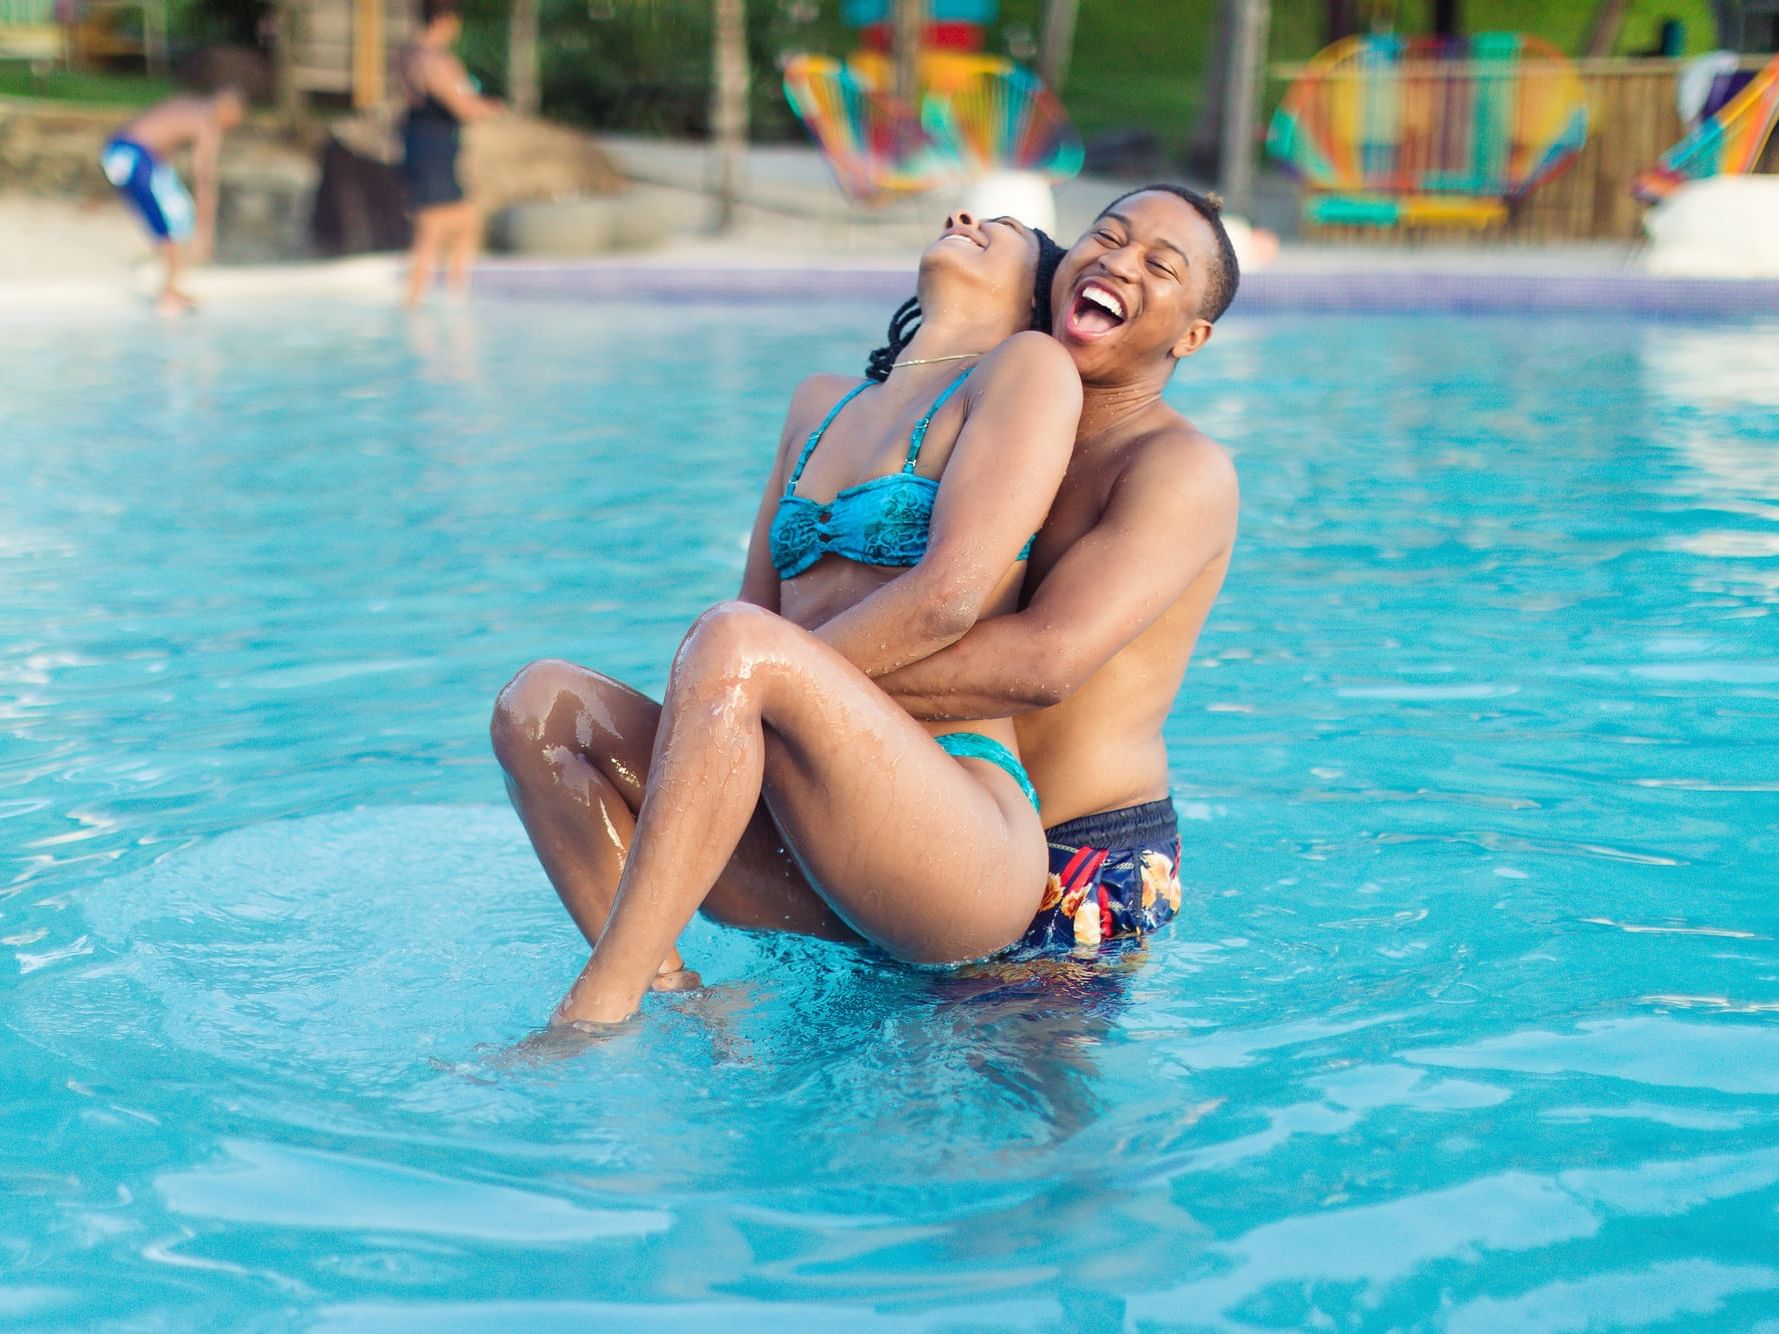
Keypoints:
pixel 520 725
pixel 728 644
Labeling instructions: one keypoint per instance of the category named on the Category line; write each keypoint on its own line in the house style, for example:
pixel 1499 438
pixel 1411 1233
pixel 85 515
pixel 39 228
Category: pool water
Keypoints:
pixel 1471 1021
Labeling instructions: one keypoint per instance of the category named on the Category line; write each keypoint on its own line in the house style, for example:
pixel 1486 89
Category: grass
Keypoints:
pixel 120 90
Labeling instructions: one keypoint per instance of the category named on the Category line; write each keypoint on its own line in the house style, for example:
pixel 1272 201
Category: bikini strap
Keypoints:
pixel 815 436
pixel 918 436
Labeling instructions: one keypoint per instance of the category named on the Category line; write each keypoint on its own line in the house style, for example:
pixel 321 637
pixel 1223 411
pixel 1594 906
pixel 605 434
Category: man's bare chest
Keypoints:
pixel 1080 502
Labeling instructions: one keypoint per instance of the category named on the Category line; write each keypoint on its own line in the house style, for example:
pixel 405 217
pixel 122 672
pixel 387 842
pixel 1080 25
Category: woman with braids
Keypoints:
pixel 784 789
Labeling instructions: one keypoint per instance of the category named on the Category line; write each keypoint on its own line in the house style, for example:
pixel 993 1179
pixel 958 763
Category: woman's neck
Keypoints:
pixel 953 337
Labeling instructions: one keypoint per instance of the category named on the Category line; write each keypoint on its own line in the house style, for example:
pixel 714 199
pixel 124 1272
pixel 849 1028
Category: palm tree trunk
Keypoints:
pixel 1058 42
pixel 1609 17
pixel 1241 102
pixel 728 106
pixel 910 19
pixel 522 57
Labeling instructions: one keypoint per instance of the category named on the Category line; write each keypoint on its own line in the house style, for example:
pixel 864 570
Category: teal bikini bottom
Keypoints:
pixel 975 746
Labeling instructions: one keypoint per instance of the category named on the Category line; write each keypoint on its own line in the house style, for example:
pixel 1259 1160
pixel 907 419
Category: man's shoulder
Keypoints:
pixel 1168 451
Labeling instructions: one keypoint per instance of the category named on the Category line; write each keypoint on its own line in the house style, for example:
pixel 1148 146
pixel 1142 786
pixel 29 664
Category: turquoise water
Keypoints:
pixel 1472 1020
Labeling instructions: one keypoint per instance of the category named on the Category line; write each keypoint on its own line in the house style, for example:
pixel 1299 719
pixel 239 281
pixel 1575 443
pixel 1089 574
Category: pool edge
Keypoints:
pixel 1379 291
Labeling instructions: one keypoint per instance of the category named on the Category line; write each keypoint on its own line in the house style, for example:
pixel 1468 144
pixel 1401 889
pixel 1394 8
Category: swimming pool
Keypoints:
pixel 1471 1020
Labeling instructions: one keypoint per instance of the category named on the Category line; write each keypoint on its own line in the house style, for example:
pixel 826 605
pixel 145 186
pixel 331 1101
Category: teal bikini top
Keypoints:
pixel 884 521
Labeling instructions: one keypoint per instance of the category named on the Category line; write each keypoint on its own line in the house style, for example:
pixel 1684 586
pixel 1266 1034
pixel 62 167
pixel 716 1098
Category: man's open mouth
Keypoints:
pixel 1097 310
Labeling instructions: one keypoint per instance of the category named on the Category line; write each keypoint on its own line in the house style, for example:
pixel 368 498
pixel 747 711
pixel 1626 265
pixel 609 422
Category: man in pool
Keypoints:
pixel 135 161
pixel 1120 581
pixel 1123 575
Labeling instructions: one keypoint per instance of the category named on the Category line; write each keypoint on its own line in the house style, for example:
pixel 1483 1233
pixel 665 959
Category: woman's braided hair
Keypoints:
pixel 905 323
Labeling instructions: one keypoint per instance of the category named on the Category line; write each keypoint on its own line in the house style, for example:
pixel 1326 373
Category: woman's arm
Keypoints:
pixel 993 495
pixel 759 582
pixel 444 76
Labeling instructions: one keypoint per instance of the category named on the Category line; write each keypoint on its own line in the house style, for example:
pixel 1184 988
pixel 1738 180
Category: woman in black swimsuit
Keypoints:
pixel 440 97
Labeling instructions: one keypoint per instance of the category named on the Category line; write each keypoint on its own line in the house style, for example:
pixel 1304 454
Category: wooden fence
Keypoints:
pixel 340 47
pixel 1632 122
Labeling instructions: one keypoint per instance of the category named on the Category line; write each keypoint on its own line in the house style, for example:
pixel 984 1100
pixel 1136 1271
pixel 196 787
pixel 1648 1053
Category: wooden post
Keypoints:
pixel 284 56
pixel 1204 145
pixel 522 57
pixel 1609 17
pixel 154 37
pixel 1728 14
pixel 910 19
pixel 370 58
pixel 728 105
pixel 1241 101
pixel 1058 42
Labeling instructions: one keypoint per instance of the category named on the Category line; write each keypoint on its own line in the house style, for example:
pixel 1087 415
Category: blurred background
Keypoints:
pixel 848 124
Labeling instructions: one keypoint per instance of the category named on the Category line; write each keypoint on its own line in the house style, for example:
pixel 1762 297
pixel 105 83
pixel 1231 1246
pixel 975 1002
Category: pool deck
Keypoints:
pixel 794 240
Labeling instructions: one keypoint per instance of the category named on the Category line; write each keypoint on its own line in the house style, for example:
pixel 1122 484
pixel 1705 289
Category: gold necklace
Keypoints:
pixel 928 361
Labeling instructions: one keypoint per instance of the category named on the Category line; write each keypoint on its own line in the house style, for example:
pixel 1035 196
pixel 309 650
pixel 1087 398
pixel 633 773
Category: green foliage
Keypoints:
pixel 644 65
pixel 118 90
pixel 203 22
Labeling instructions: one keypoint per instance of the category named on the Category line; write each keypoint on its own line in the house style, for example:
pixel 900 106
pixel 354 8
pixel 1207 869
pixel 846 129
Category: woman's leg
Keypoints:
pixel 431 227
pixel 466 239
pixel 931 858
pixel 575 749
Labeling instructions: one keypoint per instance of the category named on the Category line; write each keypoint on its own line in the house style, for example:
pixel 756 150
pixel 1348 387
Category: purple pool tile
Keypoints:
pixel 1356 291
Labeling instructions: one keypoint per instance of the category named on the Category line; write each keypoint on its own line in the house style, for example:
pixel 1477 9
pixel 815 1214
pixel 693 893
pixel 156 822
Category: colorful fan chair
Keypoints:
pixel 873 143
pixel 1727 144
pixel 1389 131
pixel 1001 117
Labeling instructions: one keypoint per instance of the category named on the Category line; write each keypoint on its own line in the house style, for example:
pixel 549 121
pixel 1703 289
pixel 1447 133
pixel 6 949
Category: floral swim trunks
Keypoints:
pixel 1112 875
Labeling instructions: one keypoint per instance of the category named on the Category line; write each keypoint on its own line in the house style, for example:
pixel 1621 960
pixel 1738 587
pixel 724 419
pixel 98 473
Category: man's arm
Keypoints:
pixel 997 487
pixel 1169 517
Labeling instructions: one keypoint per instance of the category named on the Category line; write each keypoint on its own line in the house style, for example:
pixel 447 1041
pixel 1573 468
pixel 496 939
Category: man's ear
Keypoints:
pixel 1197 334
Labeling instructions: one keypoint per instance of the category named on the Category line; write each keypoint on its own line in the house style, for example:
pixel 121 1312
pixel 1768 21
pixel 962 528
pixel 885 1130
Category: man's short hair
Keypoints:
pixel 431 11
pixel 1226 273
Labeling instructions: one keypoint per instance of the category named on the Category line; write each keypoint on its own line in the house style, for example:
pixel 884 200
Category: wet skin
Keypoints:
pixel 773 735
pixel 1134 550
pixel 1125 570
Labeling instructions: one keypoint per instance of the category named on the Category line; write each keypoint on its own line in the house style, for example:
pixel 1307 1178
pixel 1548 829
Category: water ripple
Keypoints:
pixel 1468 1019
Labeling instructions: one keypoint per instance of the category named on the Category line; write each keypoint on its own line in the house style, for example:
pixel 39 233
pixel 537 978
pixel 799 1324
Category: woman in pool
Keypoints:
pixel 440 97
pixel 897 514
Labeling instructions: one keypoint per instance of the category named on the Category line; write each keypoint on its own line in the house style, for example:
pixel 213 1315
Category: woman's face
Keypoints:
pixel 996 261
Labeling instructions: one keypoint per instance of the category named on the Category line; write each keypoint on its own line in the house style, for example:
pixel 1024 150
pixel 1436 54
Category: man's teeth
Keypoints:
pixel 1105 300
